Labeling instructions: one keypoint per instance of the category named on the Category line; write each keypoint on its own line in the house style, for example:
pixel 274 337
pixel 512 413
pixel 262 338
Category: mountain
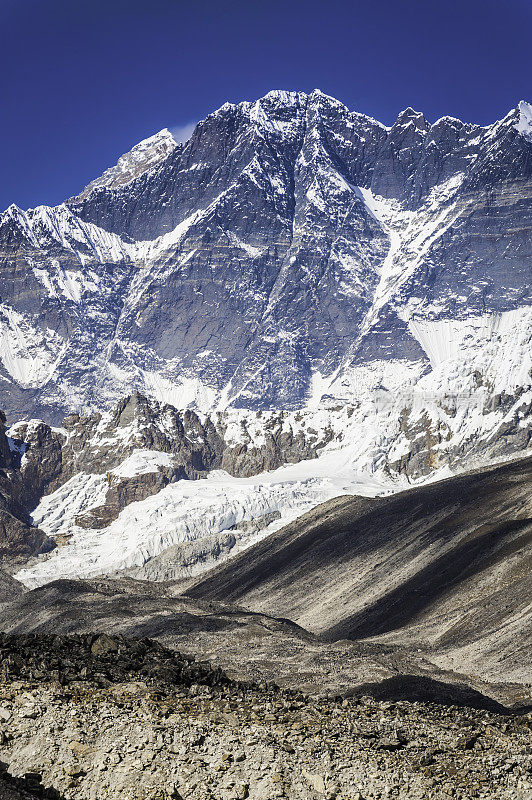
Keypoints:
pixel 268 401
pixel 271 259
pixel 297 303
pixel 145 486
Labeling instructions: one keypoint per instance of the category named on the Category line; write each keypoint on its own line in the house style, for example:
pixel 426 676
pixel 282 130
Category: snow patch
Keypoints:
pixel 29 354
pixel 141 462
pixel 57 511
pixel 498 346
pixel 69 283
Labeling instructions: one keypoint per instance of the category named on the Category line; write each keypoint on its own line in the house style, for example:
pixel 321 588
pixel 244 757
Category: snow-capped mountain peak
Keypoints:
pixel 524 124
pixel 142 157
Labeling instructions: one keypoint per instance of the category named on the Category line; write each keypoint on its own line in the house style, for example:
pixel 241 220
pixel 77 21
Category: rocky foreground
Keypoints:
pixel 98 717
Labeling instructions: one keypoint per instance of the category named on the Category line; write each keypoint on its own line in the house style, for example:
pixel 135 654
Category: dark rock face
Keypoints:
pixel 19 539
pixel 5 450
pixel 123 491
pixel 99 657
pixel 271 266
pixel 42 465
pixel 196 446
pixel 9 588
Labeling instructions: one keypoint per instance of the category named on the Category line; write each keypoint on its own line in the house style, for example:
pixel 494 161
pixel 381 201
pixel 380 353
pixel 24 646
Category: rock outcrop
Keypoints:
pixel 19 539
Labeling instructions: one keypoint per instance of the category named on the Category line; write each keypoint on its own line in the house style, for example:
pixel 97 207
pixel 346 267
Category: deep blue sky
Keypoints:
pixel 81 81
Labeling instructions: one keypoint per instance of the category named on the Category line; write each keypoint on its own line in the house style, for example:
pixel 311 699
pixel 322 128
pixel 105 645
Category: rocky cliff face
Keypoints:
pixel 19 538
pixel 139 448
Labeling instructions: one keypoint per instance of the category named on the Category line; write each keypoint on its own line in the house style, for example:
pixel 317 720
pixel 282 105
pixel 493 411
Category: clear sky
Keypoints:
pixel 81 81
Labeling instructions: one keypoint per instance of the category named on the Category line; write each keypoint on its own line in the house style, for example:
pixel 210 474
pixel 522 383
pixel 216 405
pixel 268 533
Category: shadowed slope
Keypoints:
pixel 445 565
